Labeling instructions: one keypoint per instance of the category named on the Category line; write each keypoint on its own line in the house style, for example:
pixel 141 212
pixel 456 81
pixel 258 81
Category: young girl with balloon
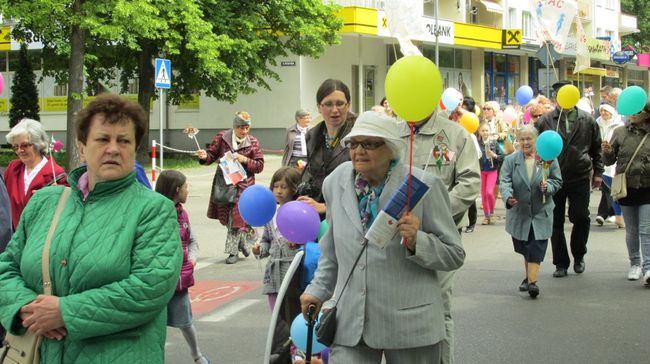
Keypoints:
pixel 173 185
pixel 491 155
pixel 273 244
pixel 279 250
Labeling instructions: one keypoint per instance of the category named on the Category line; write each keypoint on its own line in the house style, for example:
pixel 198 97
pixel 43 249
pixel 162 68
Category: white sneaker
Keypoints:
pixel 600 220
pixel 646 278
pixel 634 273
pixel 611 219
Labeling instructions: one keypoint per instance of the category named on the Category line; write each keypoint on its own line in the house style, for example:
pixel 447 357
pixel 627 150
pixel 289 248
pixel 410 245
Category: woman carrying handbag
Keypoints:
pixel 630 150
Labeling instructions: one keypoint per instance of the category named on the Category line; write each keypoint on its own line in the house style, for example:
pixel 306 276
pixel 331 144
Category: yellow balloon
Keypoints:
pixel 469 121
pixel 568 96
pixel 413 87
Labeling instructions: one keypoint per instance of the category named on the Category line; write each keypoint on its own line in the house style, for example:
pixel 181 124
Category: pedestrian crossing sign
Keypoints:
pixel 163 73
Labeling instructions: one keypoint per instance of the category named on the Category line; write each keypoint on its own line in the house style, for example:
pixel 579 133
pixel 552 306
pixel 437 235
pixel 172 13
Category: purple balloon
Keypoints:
pixel 298 222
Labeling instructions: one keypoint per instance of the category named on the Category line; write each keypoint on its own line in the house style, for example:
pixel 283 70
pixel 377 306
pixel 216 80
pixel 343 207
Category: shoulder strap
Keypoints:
pixel 365 244
pixel 45 261
pixel 57 178
pixel 635 152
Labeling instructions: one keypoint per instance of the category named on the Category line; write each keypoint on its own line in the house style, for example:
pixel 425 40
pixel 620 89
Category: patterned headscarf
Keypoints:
pixel 368 197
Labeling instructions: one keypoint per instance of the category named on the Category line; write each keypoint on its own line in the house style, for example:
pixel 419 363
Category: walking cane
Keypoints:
pixel 310 332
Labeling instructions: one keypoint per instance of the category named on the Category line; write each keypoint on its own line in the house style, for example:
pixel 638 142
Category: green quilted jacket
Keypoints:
pixel 115 261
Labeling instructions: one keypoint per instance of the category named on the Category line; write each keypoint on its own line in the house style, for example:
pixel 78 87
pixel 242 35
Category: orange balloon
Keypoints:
pixel 469 121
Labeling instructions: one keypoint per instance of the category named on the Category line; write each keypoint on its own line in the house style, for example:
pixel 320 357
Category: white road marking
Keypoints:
pixel 223 314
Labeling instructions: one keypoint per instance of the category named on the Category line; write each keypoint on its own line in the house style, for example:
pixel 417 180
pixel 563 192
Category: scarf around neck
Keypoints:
pixel 368 196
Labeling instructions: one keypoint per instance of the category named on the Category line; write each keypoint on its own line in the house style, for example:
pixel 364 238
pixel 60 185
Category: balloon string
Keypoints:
pixel 410 182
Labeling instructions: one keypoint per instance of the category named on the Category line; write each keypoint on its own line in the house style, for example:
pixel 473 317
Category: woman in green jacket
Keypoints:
pixel 115 255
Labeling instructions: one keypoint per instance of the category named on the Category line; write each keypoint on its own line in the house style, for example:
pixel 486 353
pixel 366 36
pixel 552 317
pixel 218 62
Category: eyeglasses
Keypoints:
pixel 330 104
pixel 487 108
pixel 536 116
pixel 22 146
pixel 367 145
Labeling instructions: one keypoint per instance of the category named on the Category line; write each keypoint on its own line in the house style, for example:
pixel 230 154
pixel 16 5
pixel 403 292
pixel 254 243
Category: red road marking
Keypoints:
pixel 207 295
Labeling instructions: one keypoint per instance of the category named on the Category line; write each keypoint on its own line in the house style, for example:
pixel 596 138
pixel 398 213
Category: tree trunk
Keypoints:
pixel 145 93
pixel 75 88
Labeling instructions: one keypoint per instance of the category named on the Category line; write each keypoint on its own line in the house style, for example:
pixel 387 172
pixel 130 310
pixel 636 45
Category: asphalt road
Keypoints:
pixel 595 317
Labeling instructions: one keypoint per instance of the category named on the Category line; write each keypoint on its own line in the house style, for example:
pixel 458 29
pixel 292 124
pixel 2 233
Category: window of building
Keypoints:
pixel 4 61
pixel 61 89
pixel 134 86
pixel 512 18
pixel 635 78
pixel 501 77
pixel 527 24
pixel 34 58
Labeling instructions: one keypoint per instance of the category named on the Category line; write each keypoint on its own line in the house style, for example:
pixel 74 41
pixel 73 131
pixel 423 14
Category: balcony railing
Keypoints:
pixel 627 24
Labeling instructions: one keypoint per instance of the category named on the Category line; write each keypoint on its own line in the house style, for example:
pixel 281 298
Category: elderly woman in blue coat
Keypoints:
pixel 527 188
pixel 392 305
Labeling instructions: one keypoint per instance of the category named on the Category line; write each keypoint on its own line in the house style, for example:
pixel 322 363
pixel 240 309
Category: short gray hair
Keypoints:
pixel 300 113
pixel 528 129
pixel 34 131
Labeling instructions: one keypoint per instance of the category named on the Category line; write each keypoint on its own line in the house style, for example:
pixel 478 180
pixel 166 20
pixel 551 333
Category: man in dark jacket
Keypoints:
pixel 582 169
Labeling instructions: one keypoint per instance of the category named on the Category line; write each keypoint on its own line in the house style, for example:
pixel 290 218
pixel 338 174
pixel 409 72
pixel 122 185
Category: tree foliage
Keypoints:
pixel 24 94
pixel 223 48
pixel 641 10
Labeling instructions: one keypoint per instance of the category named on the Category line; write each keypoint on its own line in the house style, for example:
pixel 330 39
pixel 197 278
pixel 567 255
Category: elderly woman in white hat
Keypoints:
pixel 607 122
pixel 395 306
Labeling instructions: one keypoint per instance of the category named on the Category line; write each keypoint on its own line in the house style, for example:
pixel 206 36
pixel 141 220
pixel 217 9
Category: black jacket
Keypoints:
pixel 581 152
pixel 321 162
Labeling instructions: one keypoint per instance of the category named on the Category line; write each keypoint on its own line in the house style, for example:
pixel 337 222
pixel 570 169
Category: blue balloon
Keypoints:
pixel 524 95
pixel 549 145
pixel 451 98
pixel 631 100
pixel 257 205
pixel 299 334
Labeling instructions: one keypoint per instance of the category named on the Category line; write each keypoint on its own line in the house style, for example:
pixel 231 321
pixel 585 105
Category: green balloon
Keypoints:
pixel 631 100
pixel 323 229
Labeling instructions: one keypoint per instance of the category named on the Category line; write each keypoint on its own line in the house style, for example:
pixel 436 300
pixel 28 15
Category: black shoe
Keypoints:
pixel 560 272
pixel 523 287
pixel 579 266
pixel 245 250
pixel 533 290
pixel 232 259
pixel 469 229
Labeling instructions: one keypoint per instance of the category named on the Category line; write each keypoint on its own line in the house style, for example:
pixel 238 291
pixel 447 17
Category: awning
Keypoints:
pixel 594 71
pixel 492 6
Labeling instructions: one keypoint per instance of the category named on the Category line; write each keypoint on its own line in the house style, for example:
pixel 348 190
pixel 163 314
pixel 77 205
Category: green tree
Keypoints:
pixel 222 47
pixel 24 95
pixel 640 9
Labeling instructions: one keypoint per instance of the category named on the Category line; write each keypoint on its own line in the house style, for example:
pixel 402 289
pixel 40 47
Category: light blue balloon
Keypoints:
pixel 524 95
pixel 631 100
pixel 549 145
pixel 257 205
pixel 299 334
pixel 451 98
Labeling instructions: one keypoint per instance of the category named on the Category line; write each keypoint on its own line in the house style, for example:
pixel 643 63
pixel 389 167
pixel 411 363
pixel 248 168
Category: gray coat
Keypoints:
pixel 459 168
pixel 393 298
pixel 532 209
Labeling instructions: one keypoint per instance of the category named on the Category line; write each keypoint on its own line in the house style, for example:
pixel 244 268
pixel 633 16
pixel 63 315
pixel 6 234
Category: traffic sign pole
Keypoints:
pixel 163 80
pixel 162 117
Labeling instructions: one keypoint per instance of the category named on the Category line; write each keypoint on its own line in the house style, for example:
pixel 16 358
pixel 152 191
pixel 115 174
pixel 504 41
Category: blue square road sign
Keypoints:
pixel 163 73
